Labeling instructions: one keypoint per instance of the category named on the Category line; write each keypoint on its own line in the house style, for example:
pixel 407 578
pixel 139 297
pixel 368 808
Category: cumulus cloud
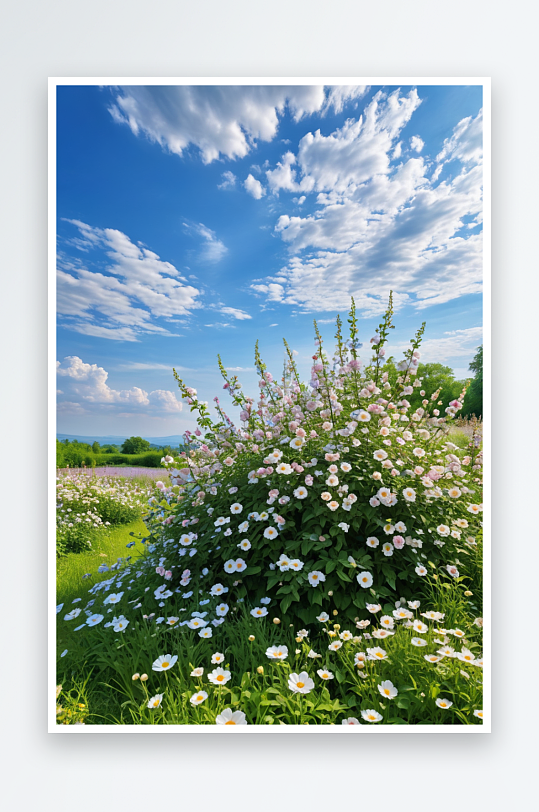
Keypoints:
pixel 228 182
pixel 121 303
pixel 235 313
pixel 254 187
pixel 456 344
pixel 380 224
pixel 86 384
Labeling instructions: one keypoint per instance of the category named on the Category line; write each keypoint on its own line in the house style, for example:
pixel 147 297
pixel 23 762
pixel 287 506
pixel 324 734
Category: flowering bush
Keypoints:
pixel 329 493
pixel 85 505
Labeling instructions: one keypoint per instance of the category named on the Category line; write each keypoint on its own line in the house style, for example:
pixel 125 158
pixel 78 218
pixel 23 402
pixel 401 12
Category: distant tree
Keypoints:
pixel 135 445
pixel 434 377
pixel 110 449
pixel 96 448
pixel 473 402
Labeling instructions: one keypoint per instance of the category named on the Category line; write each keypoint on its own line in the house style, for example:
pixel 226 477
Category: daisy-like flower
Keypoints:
pixel 402 614
pixel 283 468
pixel 122 624
pixel 432 658
pixel 164 662
pixel 350 721
pixel 236 508
pixel 296 442
pixel 300 683
pixel 420 627
pixel 323 673
pixel 446 651
pixel 433 615
pixel 230 565
pixel 171 621
pixel 418 641
pixel 376 653
pixel 244 527
pixel 456 632
pixel 332 481
pixel 301 492
pixel 73 614
pixel 452 570
pixel 219 676
pixel 478 713
pixel 346 635
pixel 475 509
pixel 373 607
pixel 359 657
pixel 230 717
pixel 155 701
pixel 93 620
pixel 270 533
pixel 344 526
pixel 409 494
pixel 443 530
pixel 372 541
pixel 454 493
pixel 380 634
pixel 113 598
pixel 219 522
pixel 313 655
pixel 205 634
pixel 384 493
pixel 296 565
pixel 240 565
pixel 334 505
pixel 218 589
pixel 466 656
pixel 364 579
pixel 283 563
pixel 323 617
pixel 345 466
pixel 443 703
pixel 259 611
pixel 316 577
pixel 335 646
pixel 244 545
pixel 380 455
pixel 387 548
pixel 421 570
pixel 387 689
pixel 197 623
pixel 186 539
pixel 371 715
pixel 197 672
pixel 198 698
pixel 387 622
pixel 326 496
pixel 277 652
pixel 265 601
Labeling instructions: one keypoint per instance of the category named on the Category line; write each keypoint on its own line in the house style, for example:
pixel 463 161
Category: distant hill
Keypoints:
pixel 173 440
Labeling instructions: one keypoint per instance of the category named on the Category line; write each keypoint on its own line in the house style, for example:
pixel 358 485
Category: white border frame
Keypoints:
pixel 485 83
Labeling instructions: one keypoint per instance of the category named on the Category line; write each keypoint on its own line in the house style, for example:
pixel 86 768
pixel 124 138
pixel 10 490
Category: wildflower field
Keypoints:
pixel 320 564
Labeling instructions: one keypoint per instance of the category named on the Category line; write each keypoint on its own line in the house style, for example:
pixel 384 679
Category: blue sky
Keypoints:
pixel 195 220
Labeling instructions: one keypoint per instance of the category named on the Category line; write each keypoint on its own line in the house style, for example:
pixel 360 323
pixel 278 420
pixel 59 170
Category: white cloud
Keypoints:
pixel 254 187
pixel 228 182
pixel 235 313
pixel 339 95
pixel 223 120
pixel 87 384
pixel 466 142
pixel 416 143
pixel 379 225
pixel 274 325
pixel 239 369
pixel 457 344
pixel 121 304
pixel 213 249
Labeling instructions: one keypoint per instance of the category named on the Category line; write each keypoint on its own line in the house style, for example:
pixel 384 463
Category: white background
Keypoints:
pixel 294 38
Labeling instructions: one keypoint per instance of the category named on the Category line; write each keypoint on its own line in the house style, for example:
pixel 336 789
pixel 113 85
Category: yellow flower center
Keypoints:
pixel 230 723
pixel 300 684
pixel 220 678
pixel 387 691
pixel 165 665
pixel 156 703
pixel 378 654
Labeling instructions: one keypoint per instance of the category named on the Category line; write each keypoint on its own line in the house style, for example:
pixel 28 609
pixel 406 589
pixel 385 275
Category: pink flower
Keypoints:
pixel 309 480
pixel 398 542
pixel 168 575
pixel 160 570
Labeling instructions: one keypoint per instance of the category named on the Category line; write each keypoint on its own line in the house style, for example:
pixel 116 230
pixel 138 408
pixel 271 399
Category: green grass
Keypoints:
pixel 107 547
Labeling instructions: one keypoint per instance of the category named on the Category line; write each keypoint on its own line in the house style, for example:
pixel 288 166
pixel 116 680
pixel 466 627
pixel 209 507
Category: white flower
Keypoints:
pixel 373 607
pixel 376 653
pixel 217 658
pixel 240 565
pixel 344 526
pixel 324 673
pixel 301 492
pixel 244 545
pixel 229 717
pixel 197 672
pixel 277 652
pixel 335 646
pixel 421 570
pixel 371 715
pixel 443 530
pixel 323 617
pixel 466 656
pixel 219 676
pixel 205 634
pixel 360 657
pixel 345 466
pixel 420 627
pixel 113 598
pixel 185 539
pixel 332 481
pixel 300 683
pixel 265 600
pixel 452 570
pixel 230 565
pixel 316 577
pixel 478 713
pixel 409 494
pixel 475 509
pixel 197 623
pixel 259 611
pixel 218 589
pixel 93 620
pixel 350 721
pixel 199 697
pixel 59 607
pixel 387 689
pixel 443 703
pixel 244 527
pixel 236 508
pixel 296 565
pixel 372 541
pixel 155 701
pixel 73 614
pixel 283 563
pixel 270 533
pixel 387 548
pixel 364 579
pixel 402 614
pixel 164 662
pixel 284 468
pixel 418 641
pixel 297 442
pixel 432 658
pixel 387 621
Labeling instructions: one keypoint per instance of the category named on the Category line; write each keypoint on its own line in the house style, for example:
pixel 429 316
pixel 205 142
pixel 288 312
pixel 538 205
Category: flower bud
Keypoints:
pixel 330 593
pixel 251 637
pixel 135 677
pixel 144 677
pixel 468 593
pixel 260 669
pixel 337 626
pixel 335 612
pixel 276 621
